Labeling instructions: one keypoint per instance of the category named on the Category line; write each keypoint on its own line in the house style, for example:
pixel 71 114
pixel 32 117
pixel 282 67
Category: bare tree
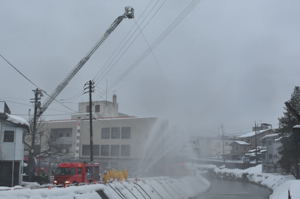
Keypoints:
pixel 47 145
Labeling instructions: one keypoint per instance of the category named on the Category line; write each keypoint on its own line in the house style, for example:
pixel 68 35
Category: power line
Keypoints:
pixel 32 82
pixel 111 62
pixel 131 109
pixel 15 102
pixel 174 24
pixel 19 71
pixel 106 63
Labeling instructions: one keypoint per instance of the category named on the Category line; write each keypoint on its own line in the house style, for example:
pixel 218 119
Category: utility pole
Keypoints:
pixel 91 89
pixel 223 144
pixel 255 144
pixel 36 100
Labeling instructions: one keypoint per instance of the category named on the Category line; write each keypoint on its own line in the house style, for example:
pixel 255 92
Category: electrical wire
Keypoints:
pixel 174 24
pixel 101 93
pixel 113 54
pixel 113 64
pixel 32 82
pixel 19 71
pixel 71 99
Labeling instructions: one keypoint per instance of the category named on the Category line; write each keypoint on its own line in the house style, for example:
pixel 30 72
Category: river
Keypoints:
pixel 225 189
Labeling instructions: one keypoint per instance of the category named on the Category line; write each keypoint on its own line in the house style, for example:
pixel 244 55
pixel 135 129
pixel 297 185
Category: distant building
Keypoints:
pixel 211 146
pixel 270 156
pixel 248 143
pixel 118 139
pixel 239 149
pixel 253 138
pixel 12 130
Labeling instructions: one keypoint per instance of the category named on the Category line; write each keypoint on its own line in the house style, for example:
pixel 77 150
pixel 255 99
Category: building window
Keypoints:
pixel 125 132
pixel 270 156
pixel 9 136
pixel 97 108
pixel 237 148
pixel 104 150
pixel 115 150
pixel 125 150
pixel 270 142
pixel 61 132
pixel 248 140
pixel 87 108
pixel 105 133
pixel 115 133
pixel 263 156
pixel 86 150
pixel 96 150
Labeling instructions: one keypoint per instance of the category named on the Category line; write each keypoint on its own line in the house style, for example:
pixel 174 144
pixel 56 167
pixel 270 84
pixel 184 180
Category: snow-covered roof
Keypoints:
pixel 251 154
pixel 241 142
pixel 278 139
pixel 15 119
pixel 253 133
pixel 274 135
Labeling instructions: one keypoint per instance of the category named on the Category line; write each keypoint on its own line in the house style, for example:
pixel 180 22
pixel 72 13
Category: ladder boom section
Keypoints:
pixel 129 13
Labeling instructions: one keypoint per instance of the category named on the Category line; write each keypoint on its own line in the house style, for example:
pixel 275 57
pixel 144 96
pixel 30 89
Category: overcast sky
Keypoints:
pixel 227 62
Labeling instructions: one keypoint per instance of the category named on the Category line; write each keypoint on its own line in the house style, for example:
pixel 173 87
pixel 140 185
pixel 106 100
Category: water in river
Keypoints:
pixel 225 189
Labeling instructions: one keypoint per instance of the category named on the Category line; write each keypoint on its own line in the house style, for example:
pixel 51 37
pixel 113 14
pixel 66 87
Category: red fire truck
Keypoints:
pixel 68 173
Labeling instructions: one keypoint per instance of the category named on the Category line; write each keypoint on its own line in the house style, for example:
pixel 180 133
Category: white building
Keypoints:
pixel 12 130
pixel 211 146
pixel 118 139
pixel 270 156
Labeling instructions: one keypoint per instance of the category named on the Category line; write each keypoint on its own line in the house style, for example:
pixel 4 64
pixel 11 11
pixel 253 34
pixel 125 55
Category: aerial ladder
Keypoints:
pixel 129 13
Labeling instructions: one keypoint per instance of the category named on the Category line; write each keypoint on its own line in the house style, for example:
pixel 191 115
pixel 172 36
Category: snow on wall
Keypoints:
pixel 161 187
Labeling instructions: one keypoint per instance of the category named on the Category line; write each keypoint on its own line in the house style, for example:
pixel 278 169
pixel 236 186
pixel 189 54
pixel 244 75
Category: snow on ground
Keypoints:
pixel 280 184
pixel 161 187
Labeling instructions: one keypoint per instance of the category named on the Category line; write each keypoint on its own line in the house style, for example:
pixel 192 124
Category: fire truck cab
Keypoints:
pixel 68 173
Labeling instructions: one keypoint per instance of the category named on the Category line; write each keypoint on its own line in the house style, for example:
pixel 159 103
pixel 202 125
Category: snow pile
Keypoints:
pixel 280 184
pixel 255 175
pixel 282 191
pixel 162 187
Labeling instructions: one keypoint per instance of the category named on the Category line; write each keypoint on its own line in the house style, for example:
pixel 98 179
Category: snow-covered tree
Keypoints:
pixel 290 140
